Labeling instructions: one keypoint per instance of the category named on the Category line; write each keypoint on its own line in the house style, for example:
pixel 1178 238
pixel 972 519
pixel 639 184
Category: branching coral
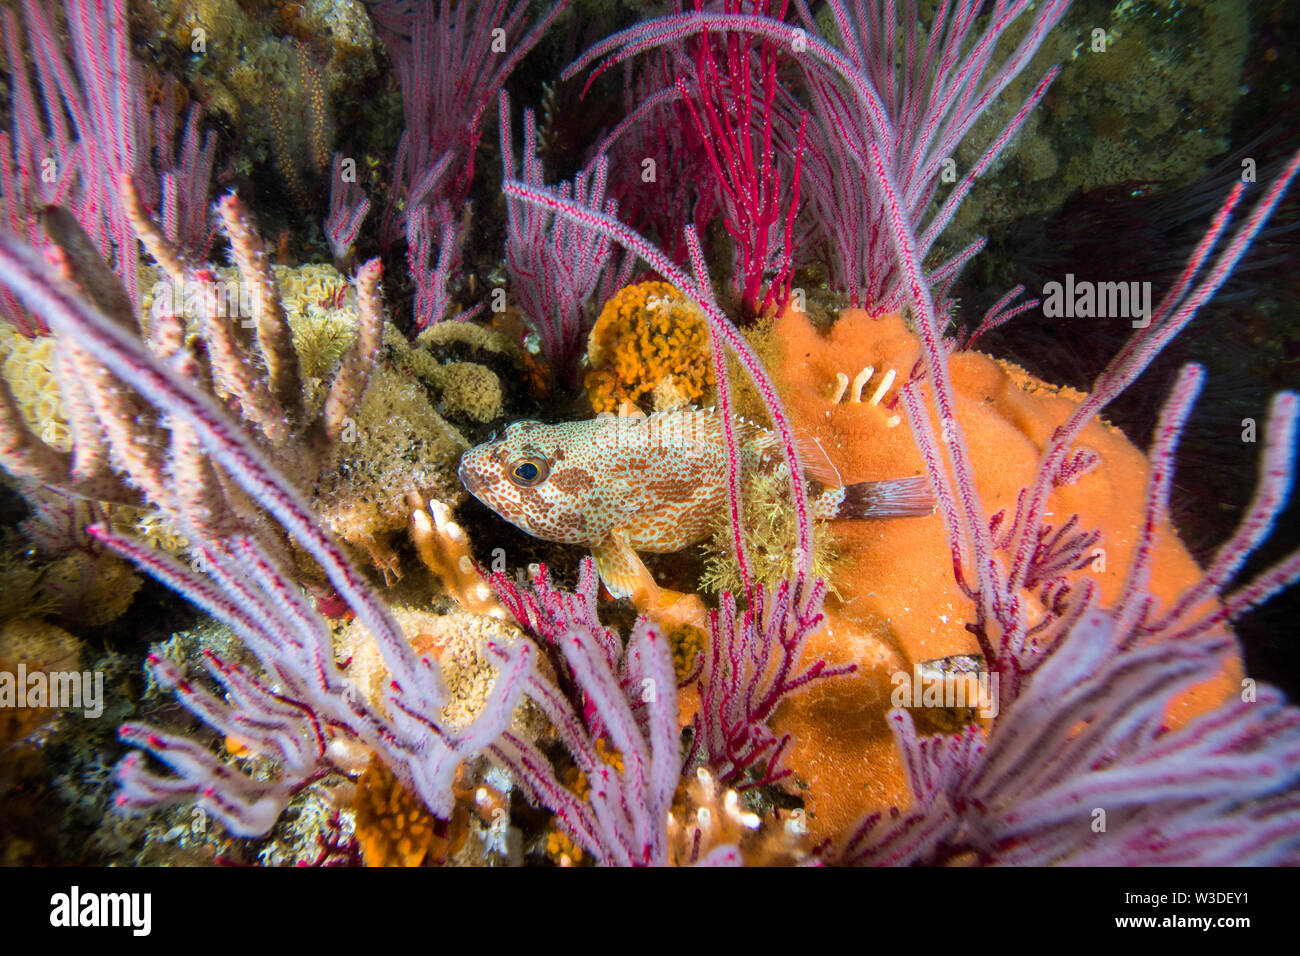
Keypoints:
pixel 359 449
pixel 301 708
pixel 444 548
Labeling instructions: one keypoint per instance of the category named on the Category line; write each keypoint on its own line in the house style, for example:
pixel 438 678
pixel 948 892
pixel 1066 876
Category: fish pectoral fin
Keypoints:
pixel 816 463
pixel 623 572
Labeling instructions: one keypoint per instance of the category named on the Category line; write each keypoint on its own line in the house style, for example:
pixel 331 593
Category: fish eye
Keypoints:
pixel 527 472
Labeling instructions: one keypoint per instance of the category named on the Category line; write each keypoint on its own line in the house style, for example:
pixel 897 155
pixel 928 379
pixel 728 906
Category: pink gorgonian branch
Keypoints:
pixel 1178 307
pixel 1082 769
pixel 81 122
pixel 626 697
pixel 348 208
pixel 557 267
pixel 752 664
pixel 654 136
pixel 1081 766
pixel 431 262
pixel 452 58
pixel 299 711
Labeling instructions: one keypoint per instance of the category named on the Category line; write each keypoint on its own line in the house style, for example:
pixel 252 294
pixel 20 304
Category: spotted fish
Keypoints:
pixel 620 485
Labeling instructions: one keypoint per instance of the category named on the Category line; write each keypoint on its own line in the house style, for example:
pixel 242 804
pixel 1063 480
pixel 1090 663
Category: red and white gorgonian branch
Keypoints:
pixel 856 102
pixel 752 663
pixel 348 208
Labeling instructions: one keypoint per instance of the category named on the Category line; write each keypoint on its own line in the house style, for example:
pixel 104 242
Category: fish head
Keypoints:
pixel 536 477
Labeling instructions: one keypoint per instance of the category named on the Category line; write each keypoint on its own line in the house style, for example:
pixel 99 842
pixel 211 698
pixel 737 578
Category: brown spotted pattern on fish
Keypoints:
pixel 625 484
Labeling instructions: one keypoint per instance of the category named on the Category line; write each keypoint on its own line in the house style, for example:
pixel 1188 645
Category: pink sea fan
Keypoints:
pixel 731 99
pixel 452 57
pixel 1083 769
pixel 83 125
pixel 601 690
pixel 859 104
pixel 298 706
pixel 348 208
pixel 1080 764
pixel 753 662
pixel 556 268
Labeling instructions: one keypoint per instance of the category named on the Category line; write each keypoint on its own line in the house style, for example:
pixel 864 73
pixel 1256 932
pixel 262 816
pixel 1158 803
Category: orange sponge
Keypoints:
pixel 898 604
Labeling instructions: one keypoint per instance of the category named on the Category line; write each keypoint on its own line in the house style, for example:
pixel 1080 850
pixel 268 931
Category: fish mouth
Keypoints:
pixel 473 484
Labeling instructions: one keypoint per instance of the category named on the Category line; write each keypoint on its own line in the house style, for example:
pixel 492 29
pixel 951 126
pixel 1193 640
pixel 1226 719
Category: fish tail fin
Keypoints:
pixel 895 498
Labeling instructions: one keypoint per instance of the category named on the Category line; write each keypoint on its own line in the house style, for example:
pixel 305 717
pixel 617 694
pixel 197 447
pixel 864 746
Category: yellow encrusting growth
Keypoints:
pixel 771 537
pixel 321 306
pixel 457 641
pixel 39 647
pixel 468 334
pixel 398 443
pixel 96 588
pixel 466 388
pixel 470 388
pixel 28 367
pixel 649 337
pixel 393 827
pixel 688 643
pixel 561 849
